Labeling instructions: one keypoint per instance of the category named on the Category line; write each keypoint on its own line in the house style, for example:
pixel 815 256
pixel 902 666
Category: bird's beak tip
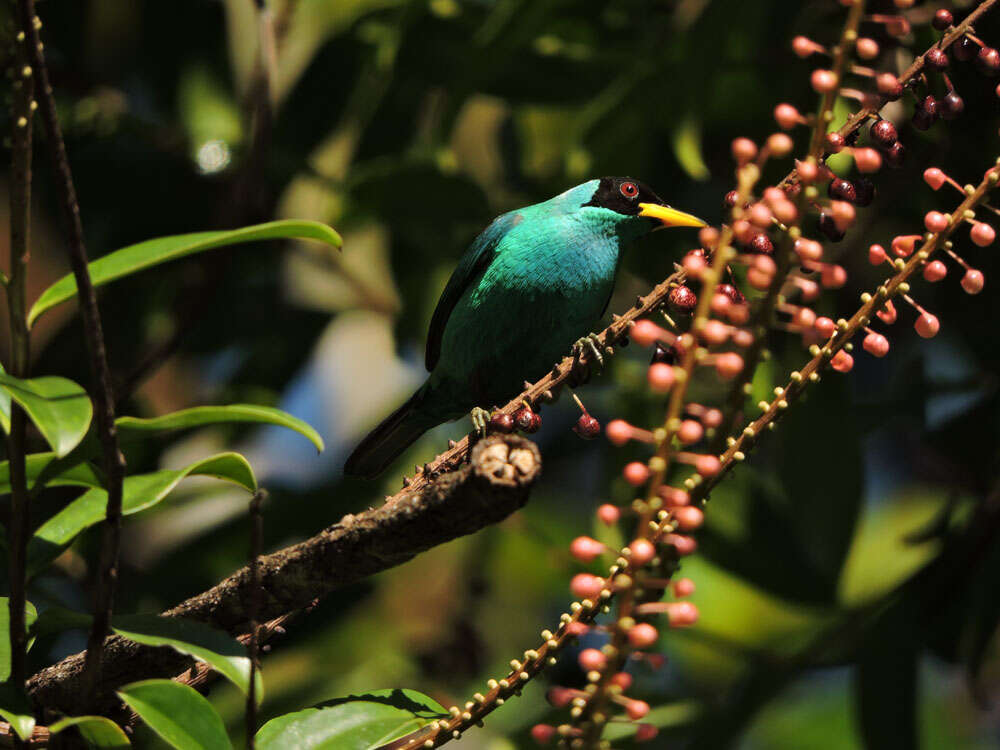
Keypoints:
pixel 669 217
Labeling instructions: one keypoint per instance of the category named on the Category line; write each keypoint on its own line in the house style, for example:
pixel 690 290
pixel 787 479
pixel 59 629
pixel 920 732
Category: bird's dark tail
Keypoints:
pixel 393 436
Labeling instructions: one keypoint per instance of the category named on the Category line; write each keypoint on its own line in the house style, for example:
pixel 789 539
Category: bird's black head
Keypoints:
pixel 629 197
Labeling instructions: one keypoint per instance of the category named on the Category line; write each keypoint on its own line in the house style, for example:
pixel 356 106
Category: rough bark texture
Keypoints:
pixel 494 484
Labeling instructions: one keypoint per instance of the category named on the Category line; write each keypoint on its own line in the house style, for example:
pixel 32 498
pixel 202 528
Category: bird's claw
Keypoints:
pixel 592 342
pixel 480 419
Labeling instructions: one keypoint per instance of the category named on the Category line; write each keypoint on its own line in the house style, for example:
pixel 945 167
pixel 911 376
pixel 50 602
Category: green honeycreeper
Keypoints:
pixel 536 280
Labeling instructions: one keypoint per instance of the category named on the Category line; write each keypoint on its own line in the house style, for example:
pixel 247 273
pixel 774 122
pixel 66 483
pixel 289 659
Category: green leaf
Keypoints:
pixel 96 731
pixel 60 408
pixel 203 415
pixel 178 713
pixel 140 492
pixel 48 470
pixel 30 615
pixel 135 258
pixel 357 722
pixel 687 148
pixel 15 708
pixel 217 649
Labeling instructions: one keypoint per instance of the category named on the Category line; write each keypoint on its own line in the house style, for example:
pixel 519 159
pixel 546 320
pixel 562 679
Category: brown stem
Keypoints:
pixel 114 462
pixel 253 642
pixel 20 248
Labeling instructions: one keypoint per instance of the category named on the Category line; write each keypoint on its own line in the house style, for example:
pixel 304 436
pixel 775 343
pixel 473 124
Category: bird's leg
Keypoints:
pixel 591 341
pixel 480 419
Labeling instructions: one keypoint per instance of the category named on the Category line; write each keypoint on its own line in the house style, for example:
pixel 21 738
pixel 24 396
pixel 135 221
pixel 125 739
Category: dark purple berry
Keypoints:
pixel 883 133
pixel 731 197
pixel 682 299
pixel 527 420
pixel 865 191
pixel 841 190
pixel 988 61
pixel 501 422
pixel 829 227
pixel 936 59
pixel 964 49
pixel 951 106
pixel 761 243
pixel 925 113
pixel 942 19
pixel 734 294
pixel 587 427
pixel 896 155
pixel 665 354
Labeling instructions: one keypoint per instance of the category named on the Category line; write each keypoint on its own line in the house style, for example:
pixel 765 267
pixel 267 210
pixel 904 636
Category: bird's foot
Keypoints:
pixel 480 420
pixel 591 342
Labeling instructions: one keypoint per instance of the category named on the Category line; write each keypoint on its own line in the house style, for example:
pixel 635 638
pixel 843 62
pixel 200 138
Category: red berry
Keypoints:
pixel 883 133
pixel 964 49
pixel 942 19
pixel 936 59
pixel 734 294
pixel 682 299
pixel 842 190
pixel 988 61
pixel 543 733
pixel 935 271
pixel 927 325
pixel 895 156
pixel 646 732
pixel 665 354
pixel 876 344
pixel 731 198
pixel 982 234
pixel 973 281
pixel 761 243
pixel 587 427
pixel 934 177
pixel 501 422
pixel 524 419
pixel 951 106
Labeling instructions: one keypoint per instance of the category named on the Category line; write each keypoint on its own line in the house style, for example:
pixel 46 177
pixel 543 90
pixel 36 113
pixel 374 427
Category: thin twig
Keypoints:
pixel 253 642
pixel 114 462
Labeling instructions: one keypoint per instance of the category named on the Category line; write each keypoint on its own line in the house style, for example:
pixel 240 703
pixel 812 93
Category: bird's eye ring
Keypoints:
pixel 629 189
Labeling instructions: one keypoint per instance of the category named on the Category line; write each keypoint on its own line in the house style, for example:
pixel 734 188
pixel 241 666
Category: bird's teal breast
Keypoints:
pixel 546 288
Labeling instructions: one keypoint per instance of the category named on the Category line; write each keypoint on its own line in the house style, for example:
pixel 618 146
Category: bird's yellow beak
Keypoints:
pixel 669 217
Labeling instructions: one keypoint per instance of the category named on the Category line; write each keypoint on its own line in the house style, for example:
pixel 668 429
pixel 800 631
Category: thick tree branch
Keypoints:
pixel 494 484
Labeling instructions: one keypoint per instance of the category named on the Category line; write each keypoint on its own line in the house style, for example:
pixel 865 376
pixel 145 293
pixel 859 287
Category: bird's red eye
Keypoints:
pixel 629 189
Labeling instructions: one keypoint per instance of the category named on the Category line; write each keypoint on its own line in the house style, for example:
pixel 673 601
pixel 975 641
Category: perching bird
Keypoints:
pixel 535 281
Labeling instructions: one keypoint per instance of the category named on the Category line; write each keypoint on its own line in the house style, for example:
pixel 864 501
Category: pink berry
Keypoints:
pixel 934 177
pixel 808 249
pixel 888 85
pixel 759 215
pixel 876 255
pixel 543 733
pixel 982 234
pixel 785 211
pixel 810 290
pixel 683 587
pixel 742 338
pixel 609 514
pixel 780 144
pixel 876 344
pixel 682 614
pixel 935 271
pixel 622 680
pixel 618 431
pixel 758 279
pixel 935 221
pixel 842 361
pixel 708 237
pixel 844 214
pixel 825 327
pixel 903 245
pixel 636 473
pixel 744 150
pixel 560 697
pixel 586 586
pixel 684 545
pixel 577 628
pixel 888 313
pixel 728 365
pixel 927 325
pixel 867 48
pixel 786 116
pixel 712 418
pixel 591 659
pixel 823 81
pixel 694 264
pixel 642 551
pixel 647 333
pixel 868 160
pixel 805 317
pixel 689 518
pixel 645 732
pixel 690 431
pixel 715 332
pixel 643 635
pixel 636 709
pixel 661 377
pixel 973 281
pixel 707 466
pixel 585 549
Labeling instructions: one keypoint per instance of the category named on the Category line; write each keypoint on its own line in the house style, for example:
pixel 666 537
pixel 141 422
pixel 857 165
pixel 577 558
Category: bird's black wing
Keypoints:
pixel 472 265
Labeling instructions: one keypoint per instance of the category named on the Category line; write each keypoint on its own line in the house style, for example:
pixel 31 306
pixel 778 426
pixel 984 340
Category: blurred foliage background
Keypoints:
pixel 846 576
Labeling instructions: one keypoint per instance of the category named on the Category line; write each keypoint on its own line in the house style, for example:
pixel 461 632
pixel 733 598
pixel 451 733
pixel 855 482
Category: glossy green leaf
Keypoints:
pixel 135 258
pixel 140 492
pixel 204 415
pixel 97 731
pixel 177 713
pixel 48 470
pixel 60 409
pixel 16 710
pixel 217 649
pixel 30 615
pixel 357 722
